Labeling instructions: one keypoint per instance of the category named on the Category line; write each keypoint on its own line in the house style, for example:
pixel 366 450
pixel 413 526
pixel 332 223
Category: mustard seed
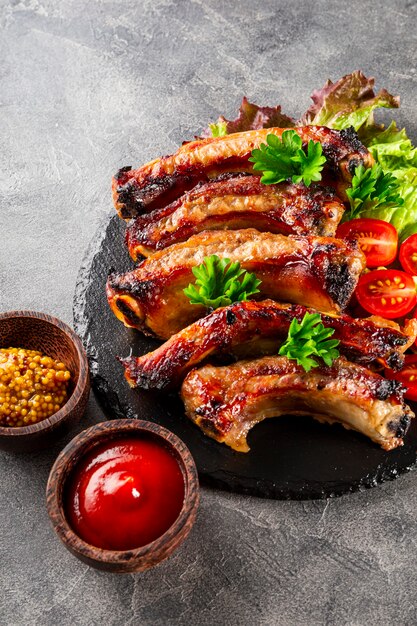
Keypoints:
pixel 32 386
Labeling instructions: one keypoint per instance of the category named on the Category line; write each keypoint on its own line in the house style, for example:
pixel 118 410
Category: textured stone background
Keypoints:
pixel 87 87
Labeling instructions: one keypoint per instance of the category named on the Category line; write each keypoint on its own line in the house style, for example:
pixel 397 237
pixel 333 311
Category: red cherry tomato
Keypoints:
pixel 389 293
pixel 408 255
pixel 407 376
pixel 377 239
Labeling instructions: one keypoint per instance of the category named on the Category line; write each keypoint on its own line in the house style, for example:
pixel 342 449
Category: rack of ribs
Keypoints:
pixel 226 402
pixel 257 328
pixel 234 202
pixel 165 179
pixel 315 271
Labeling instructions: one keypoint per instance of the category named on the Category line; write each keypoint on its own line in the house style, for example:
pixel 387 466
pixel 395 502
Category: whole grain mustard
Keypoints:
pixel 32 386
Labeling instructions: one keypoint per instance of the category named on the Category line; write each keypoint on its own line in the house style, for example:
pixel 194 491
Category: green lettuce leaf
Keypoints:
pixel 395 153
pixel 391 147
pixel 219 129
pixel 351 101
pixel 250 117
pixel 348 102
pixel 405 219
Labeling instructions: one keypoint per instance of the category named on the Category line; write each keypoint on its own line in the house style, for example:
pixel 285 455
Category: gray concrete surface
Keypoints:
pixel 87 86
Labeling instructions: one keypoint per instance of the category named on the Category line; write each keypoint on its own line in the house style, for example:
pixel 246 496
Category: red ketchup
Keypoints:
pixel 125 493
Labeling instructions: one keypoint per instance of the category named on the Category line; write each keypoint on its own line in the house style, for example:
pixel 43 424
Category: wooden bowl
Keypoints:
pixel 125 561
pixel 37 331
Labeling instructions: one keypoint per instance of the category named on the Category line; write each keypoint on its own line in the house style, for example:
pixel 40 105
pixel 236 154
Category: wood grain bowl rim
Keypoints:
pixel 77 393
pixel 122 561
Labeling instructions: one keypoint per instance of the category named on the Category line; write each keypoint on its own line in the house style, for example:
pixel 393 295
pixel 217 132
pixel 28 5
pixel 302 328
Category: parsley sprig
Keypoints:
pixel 284 158
pixel 219 282
pixel 308 341
pixel 372 189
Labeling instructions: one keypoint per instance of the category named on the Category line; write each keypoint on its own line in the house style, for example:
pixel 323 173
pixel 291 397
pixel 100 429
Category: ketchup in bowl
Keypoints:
pixel 125 493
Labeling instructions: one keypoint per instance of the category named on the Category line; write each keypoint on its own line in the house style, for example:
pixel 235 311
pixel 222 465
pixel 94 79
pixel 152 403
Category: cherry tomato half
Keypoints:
pixel 389 293
pixel 408 255
pixel 377 239
pixel 407 376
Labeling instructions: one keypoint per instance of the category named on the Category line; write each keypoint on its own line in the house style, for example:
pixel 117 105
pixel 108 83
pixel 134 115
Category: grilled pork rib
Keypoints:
pixel 316 271
pixel 255 328
pixel 163 180
pixel 226 402
pixel 237 202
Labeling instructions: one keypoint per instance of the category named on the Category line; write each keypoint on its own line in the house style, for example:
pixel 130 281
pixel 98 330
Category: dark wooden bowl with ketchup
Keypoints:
pixel 123 495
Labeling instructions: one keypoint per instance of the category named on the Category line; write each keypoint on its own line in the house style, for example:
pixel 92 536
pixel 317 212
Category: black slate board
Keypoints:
pixel 290 457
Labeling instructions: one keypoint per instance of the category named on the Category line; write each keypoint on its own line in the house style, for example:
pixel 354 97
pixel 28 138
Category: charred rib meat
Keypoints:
pixel 255 328
pixel 240 201
pixel 316 271
pixel 164 180
pixel 226 402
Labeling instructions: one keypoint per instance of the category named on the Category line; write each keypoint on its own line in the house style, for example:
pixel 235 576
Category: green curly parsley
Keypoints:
pixel 219 282
pixel 308 341
pixel 372 189
pixel 284 159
